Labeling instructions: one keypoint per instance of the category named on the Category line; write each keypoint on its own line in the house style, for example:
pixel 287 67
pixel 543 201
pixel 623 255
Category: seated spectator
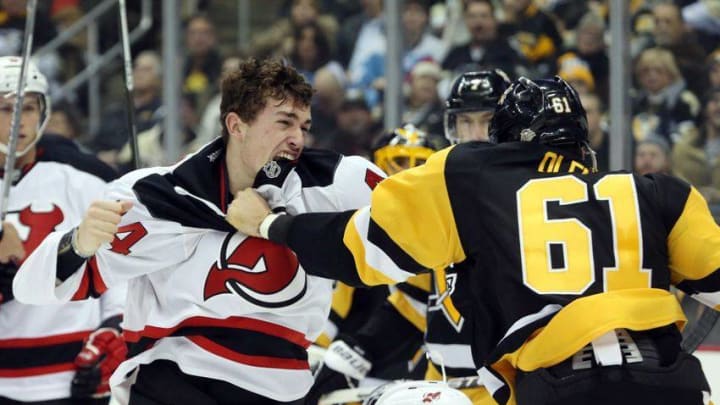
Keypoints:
pixel 356 130
pixel 151 141
pixel 713 67
pixel 663 106
pixel 697 156
pixel 12 25
pixel 533 31
pixel 671 33
pixel 59 143
pixel 350 30
pixel 201 69
pixel 326 103
pixel 703 17
pixel 591 50
pixel 423 106
pixel 597 129
pixel 576 72
pixel 209 127
pixel 276 41
pixel 419 45
pixel 486 49
pixel 113 132
pixel 652 155
pixel 311 51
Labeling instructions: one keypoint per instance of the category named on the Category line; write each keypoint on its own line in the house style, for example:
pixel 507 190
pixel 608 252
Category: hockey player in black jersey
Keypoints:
pixel 431 306
pixel 576 266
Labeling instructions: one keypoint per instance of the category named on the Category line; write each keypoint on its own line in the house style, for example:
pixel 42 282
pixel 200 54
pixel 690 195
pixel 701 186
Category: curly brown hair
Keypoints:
pixel 246 90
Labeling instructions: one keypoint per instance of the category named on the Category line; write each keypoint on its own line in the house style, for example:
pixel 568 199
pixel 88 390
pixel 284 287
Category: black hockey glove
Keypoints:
pixel 7 274
pixel 344 364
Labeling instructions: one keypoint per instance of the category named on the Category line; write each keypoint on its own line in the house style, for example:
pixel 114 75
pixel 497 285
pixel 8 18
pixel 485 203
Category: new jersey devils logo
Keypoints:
pixel 260 271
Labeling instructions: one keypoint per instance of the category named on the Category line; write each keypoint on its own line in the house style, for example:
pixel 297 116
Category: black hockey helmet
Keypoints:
pixel 542 111
pixel 473 91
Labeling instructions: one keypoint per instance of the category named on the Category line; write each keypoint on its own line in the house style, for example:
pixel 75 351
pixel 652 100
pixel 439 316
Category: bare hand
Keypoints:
pixel 100 225
pixel 247 211
pixel 11 247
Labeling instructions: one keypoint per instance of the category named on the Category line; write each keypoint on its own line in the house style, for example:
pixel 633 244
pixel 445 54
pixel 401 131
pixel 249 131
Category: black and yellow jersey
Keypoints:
pixel 560 255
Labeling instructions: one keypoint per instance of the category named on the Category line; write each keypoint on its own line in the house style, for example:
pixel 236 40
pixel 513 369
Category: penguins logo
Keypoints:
pixel 261 272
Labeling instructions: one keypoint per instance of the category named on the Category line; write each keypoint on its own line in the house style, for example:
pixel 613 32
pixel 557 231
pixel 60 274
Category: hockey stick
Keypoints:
pixel 17 110
pixel 701 321
pixel 127 66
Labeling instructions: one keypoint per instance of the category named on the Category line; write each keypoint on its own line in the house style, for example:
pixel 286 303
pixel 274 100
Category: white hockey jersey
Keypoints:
pixel 219 304
pixel 39 343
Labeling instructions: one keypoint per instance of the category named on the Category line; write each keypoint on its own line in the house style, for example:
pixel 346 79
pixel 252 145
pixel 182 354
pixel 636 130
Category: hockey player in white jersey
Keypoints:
pixel 213 316
pixel 57 354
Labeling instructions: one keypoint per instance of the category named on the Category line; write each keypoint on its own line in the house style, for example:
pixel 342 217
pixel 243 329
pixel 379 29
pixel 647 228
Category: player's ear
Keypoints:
pixel 235 125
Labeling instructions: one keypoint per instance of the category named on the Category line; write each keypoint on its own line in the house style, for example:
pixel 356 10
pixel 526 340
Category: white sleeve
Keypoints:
pixel 355 178
pixel 142 245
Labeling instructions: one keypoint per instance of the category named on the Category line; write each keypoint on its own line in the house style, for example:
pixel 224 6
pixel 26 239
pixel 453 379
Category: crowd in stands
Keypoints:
pixel 340 47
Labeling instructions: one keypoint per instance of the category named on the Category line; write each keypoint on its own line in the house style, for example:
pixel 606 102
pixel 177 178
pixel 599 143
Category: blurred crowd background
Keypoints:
pixel 340 46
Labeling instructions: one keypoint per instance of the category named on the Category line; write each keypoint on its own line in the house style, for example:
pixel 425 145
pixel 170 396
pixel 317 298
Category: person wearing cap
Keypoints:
pixel 423 107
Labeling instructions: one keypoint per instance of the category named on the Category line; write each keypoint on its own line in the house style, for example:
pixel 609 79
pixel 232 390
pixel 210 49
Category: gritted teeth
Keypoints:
pixel 284 155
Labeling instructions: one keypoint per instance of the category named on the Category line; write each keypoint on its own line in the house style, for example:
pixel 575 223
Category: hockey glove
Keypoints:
pixel 7 273
pixel 344 364
pixel 103 352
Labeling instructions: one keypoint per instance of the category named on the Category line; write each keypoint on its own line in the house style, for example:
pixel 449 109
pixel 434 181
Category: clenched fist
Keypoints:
pixel 99 225
pixel 247 211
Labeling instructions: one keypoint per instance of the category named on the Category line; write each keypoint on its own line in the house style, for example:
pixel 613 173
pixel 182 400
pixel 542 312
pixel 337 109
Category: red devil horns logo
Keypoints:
pixel 260 271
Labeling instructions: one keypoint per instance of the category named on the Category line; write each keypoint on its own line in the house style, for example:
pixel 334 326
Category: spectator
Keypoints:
pixel 276 40
pixel 703 16
pixel 419 45
pixel 533 31
pixel 591 49
pixel 486 49
pixel 697 157
pixel 671 33
pixel 356 131
pixel 311 51
pixel 713 66
pixel 203 61
pixel 652 155
pixel 151 141
pixel 59 143
pixel 663 107
pixel 12 26
pixel 597 129
pixel 423 107
pixel 328 99
pixel 209 127
pixel 113 132
pixel 352 28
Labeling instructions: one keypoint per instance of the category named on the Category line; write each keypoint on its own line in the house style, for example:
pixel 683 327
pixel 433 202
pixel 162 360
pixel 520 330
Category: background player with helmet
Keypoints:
pixel 574 266
pixel 429 305
pixel 65 353
pixel 352 308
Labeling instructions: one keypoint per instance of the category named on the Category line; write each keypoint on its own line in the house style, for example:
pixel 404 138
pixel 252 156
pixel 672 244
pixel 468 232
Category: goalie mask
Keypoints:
pixel 35 83
pixel 402 149
pixel 472 92
pixel 416 392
